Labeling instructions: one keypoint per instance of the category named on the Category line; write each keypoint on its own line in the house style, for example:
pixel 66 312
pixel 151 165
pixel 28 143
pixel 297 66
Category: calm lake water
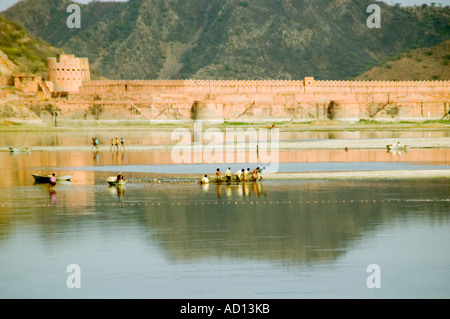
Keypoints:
pixel 155 137
pixel 177 239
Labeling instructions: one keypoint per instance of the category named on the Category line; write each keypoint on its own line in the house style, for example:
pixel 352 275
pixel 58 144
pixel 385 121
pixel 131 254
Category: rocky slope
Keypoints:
pixel 233 39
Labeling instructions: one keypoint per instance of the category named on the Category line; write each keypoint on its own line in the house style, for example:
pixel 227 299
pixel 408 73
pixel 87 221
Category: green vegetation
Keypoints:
pixel 27 52
pixel 403 122
pixel 418 65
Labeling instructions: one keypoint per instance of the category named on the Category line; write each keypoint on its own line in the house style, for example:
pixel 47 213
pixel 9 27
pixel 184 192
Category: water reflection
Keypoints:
pixel 88 166
pixel 117 192
pixel 242 189
pixel 294 222
pixel 52 193
pixel 160 136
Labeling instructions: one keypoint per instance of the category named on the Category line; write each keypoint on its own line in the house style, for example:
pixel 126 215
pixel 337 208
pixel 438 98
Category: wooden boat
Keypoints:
pixel 112 180
pixel 233 181
pixel 19 150
pixel 46 178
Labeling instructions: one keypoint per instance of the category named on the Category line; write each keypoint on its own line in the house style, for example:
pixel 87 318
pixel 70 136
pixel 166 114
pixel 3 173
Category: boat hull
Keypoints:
pixel 46 178
pixel 19 150
pixel 112 181
pixel 397 148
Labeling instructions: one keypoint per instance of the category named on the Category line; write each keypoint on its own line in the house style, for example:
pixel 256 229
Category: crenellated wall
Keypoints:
pixel 272 99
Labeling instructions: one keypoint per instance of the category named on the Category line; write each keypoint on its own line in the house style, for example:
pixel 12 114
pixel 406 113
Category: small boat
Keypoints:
pixel 396 147
pixel 38 178
pixel 112 180
pixel 19 150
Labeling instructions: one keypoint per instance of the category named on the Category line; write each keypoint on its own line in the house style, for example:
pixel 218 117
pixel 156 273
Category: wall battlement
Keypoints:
pixel 68 72
pixel 306 99
pixel 224 86
pixel 334 90
pixel 275 99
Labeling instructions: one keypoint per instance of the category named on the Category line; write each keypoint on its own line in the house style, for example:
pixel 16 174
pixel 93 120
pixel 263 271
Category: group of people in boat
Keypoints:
pixel 242 175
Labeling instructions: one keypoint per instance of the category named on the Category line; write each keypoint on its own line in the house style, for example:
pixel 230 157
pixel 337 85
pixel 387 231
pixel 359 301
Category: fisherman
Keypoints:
pixel 218 176
pixel 96 143
pixel 52 181
pixel 204 180
pixel 239 173
pixel 228 174
pixel 255 174
pixel 120 176
pixel 258 175
pixel 122 142
pixel 117 143
pixel 112 143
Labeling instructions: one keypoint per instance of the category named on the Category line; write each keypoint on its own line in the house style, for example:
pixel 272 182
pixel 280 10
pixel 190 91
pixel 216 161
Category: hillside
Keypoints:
pixel 420 64
pixel 233 39
pixel 27 52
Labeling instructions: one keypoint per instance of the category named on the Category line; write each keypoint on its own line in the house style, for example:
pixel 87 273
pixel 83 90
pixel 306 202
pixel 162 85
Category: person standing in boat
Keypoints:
pixel 52 182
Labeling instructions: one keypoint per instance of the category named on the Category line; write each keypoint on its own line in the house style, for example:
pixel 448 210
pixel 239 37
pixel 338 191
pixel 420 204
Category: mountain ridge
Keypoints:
pixel 233 39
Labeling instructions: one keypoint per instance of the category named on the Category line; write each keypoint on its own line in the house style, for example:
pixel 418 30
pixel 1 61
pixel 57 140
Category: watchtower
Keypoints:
pixel 68 72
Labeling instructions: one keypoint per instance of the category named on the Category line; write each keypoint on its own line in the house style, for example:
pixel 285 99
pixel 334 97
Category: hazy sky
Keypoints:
pixel 5 4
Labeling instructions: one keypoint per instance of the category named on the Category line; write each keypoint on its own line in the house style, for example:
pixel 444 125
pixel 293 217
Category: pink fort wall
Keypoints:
pixel 265 100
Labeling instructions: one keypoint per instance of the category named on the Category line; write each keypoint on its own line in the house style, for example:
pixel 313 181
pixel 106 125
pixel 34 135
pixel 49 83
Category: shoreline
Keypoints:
pixel 365 175
pixel 283 126
pixel 330 144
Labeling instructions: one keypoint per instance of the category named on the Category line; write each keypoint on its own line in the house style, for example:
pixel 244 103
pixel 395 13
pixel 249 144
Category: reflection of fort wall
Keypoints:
pixel 330 218
pixel 304 222
pixel 291 233
pixel 161 137
pixel 16 167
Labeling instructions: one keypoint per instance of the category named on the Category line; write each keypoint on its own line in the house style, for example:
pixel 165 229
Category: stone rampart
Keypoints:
pixel 305 100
